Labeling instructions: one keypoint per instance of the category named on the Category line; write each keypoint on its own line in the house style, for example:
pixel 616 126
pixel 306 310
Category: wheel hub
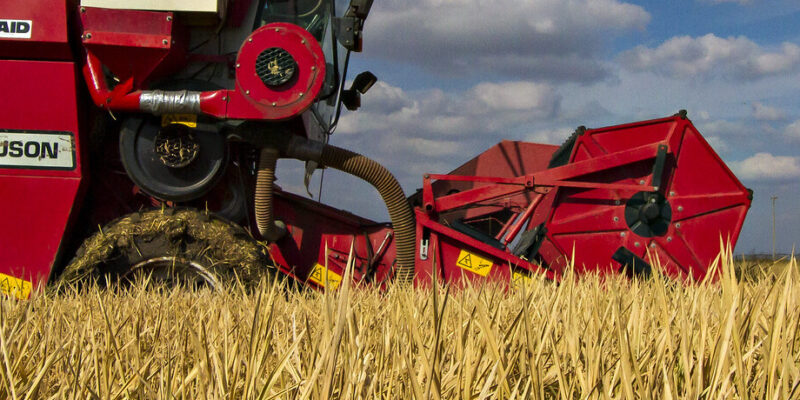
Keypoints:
pixel 176 146
pixel 648 214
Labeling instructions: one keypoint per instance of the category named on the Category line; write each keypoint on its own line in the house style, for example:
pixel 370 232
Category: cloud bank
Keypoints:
pixel 553 40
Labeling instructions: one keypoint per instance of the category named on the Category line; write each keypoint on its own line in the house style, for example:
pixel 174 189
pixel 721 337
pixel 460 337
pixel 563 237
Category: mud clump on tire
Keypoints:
pixel 223 249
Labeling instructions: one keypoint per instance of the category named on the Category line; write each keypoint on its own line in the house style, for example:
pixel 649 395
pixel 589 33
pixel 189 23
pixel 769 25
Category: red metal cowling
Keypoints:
pixel 706 202
pixel 253 99
pixel 42 164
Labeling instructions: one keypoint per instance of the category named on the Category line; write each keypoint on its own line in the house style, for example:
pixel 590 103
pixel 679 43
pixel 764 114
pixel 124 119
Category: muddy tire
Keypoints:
pixel 173 245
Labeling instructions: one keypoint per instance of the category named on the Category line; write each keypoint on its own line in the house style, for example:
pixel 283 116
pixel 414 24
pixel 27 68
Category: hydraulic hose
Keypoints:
pixel 399 210
pixel 265 179
pixel 378 176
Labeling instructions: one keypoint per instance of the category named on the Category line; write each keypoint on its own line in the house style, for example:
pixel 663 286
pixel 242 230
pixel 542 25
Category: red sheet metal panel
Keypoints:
pixel 40 165
pixel 34 29
pixel 703 203
pixel 314 227
pixel 134 45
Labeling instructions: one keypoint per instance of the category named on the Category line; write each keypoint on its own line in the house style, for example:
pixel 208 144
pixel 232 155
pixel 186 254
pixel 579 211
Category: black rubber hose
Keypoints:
pixel 400 212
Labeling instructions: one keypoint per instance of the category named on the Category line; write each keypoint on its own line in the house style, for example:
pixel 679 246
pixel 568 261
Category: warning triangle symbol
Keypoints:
pixel 466 261
pixel 317 274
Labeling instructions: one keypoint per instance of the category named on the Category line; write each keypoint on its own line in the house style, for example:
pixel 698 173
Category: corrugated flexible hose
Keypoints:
pixel 378 176
pixel 265 215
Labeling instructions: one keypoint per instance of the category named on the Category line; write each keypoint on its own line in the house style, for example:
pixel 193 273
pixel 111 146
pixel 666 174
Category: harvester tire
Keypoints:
pixel 171 246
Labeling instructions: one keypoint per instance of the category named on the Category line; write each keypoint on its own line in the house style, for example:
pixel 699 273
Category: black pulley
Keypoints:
pixel 174 162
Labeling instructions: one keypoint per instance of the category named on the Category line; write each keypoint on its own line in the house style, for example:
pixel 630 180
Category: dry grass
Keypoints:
pixel 587 339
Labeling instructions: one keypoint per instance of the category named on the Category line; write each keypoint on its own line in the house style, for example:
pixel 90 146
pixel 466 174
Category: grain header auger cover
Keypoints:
pixel 114 111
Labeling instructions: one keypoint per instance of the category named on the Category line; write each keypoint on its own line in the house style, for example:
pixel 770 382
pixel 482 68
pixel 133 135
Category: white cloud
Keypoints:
pixel 764 112
pixel 742 2
pixel 717 143
pixel 557 40
pixel 485 108
pixel 792 130
pixel 765 166
pixel 424 147
pixel 713 56
pixel 722 128
pixel 550 136
pixel 519 96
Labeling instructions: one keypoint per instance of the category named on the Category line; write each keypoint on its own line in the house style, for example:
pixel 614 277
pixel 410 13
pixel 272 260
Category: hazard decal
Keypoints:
pixel 320 275
pixel 520 279
pixel 37 150
pixel 14 287
pixel 474 263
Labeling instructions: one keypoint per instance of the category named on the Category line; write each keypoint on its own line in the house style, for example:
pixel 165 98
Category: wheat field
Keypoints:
pixel 737 338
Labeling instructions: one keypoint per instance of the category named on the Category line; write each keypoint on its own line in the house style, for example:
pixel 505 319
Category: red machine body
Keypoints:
pixel 622 199
pixel 42 169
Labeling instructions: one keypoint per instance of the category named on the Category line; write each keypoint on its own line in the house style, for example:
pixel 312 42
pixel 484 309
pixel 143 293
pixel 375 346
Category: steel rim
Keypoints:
pixel 173 265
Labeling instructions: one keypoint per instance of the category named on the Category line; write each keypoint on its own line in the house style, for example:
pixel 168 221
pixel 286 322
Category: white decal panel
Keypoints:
pixel 37 150
pixel 15 28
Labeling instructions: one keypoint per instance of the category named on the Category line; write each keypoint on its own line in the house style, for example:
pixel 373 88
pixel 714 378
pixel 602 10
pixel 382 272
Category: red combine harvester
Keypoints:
pixel 161 123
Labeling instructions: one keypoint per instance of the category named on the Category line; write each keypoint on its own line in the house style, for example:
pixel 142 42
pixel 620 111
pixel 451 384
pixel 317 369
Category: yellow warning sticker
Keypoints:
pixel 520 279
pixel 474 263
pixel 319 275
pixel 14 287
pixel 189 120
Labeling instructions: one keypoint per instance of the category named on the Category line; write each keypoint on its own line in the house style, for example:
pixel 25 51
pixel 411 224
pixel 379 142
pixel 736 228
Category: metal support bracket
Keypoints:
pixel 632 264
pixel 658 166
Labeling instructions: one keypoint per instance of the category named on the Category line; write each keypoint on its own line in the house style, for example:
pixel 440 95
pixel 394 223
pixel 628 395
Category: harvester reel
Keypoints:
pixel 697 203
pixel 174 162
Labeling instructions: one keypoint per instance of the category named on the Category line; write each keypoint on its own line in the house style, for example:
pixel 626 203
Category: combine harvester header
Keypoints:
pixel 162 122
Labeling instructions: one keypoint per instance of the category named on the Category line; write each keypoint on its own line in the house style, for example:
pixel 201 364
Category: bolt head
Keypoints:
pixel 672 193
pixel 652 245
pixel 617 202
pixel 274 104
pixel 616 219
pixel 165 42
pixel 88 35
pixel 83 9
pixel 678 225
pixel 680 208
pixel 251 39
pixel 169 18
pixel 637 244
pixel 247 92
pixel 622 234
pixel 669 239
pixel 300 95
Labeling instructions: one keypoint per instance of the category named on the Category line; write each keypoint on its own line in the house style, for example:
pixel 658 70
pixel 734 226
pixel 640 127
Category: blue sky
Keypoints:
pixel 457 76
